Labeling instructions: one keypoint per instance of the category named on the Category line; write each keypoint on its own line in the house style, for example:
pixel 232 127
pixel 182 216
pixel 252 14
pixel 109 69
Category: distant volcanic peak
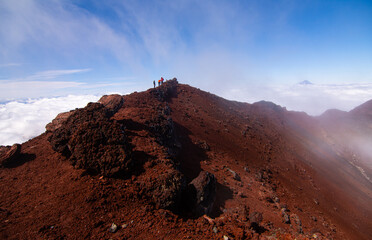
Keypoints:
pixel 305 82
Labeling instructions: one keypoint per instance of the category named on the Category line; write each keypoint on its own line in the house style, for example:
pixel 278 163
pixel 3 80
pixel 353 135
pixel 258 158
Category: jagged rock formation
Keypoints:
pixel 202 192
pixel 58 121
pixel 92 141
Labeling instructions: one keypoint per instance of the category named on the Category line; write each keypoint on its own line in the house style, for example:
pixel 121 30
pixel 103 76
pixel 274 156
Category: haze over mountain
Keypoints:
pixel 183 163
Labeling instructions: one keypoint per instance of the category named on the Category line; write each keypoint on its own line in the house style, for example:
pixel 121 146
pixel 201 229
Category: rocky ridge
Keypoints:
pixel 175 162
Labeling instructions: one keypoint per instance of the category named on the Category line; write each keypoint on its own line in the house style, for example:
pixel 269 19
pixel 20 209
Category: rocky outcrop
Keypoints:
pixel 58 121
pixel 9 154
pixel 166 91
pixel 166 191
pixel 92 141
pixel 163 128
pixel 201 193
pixel 113 102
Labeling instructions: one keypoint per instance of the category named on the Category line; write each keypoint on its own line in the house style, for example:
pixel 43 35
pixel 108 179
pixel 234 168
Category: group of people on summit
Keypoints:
pixel 160 82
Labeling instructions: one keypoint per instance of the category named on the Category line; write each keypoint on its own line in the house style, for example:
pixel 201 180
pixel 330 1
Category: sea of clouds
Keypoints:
pixel 23 120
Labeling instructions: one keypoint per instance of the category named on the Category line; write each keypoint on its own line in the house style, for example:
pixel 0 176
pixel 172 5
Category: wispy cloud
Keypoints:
pixel 145 38
pixel 51 74
pixel 62 30
pixel 5 65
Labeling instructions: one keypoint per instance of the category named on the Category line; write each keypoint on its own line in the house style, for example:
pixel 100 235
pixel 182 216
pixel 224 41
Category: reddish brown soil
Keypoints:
pixel 289 164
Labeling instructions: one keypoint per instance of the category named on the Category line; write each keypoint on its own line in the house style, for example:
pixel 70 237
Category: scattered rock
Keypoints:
pixel 296 219
pixel 297 222
pixel 255 219
pixel 259 176
pixel 113 228
pixel 286 218
pixel 235 175
pixel 7 155
pixel 242 195
pixel 269 199
pixel 203 145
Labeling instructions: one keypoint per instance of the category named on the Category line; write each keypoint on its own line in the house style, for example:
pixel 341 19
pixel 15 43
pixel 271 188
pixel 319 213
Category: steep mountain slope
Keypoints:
pixel 192 166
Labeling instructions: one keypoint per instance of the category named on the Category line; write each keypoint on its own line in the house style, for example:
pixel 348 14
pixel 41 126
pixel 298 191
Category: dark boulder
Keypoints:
pixel 201 193
pixel 9 154
pixel 166 191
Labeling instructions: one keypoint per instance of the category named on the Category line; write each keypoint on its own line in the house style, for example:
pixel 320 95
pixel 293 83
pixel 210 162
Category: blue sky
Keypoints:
pixel 243 50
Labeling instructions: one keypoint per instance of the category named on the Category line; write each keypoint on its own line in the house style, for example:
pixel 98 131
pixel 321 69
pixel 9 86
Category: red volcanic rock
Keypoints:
pixel 166 191
pixel 203 188
pixel 113 102
pixel 58 121
pixel 91 141
pixel 8 154
pixel 300 177
pixel 255 218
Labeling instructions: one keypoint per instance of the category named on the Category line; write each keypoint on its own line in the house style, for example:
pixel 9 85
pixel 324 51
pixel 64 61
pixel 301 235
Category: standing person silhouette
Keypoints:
pixel 160 81
pixel 153 83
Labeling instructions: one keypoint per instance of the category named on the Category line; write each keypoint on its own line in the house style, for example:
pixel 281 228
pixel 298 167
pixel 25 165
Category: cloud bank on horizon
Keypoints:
pixel 242 50
pixel 21 121
pixel 313 99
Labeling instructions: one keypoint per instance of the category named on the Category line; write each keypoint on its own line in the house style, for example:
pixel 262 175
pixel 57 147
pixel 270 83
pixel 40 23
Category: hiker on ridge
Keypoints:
pixel 160 82
pixel 153 83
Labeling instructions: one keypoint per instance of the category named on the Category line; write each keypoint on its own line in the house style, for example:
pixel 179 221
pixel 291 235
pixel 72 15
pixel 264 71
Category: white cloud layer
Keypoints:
pixel 21 121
